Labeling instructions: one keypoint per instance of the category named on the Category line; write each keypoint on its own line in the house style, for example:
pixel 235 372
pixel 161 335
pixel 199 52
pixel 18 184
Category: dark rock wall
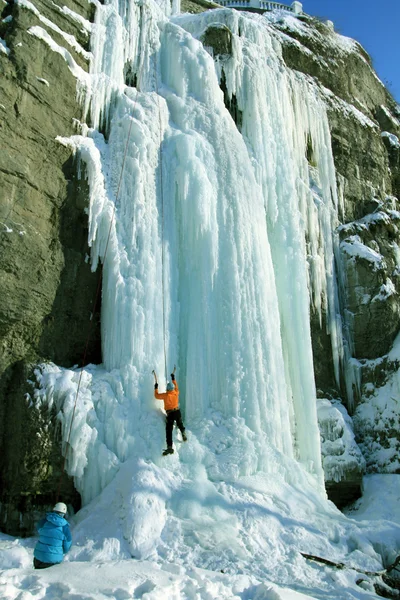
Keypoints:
pixel 47 288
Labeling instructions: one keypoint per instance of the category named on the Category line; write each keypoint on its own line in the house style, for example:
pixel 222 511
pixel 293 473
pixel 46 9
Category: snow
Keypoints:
pixel 375 218
pixel 338 44
pixel 70 39
pixel 369 523
pixel 4 48
pixel 349 110
pixel 379 410
pixel 389 115
pixel 215 245
pixel 354 247
pixel 339 450
pixel 393 139
pixel 387 289
pixel 75 69
pixel 44 81
pixel 86 25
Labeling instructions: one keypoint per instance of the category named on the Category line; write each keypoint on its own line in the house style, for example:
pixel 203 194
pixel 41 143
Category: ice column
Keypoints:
pixel 211 223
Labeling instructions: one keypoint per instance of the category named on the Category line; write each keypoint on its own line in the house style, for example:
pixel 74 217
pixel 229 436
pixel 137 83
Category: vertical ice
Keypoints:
pixel 224 236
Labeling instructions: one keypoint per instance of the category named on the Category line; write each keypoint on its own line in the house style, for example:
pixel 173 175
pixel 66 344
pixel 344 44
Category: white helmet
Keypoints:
pixel 61 508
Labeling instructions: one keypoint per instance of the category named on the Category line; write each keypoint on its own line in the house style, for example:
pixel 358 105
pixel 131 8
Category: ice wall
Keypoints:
pixel 214 242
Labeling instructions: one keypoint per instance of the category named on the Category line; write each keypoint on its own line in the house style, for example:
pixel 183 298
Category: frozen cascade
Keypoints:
pixel 239 228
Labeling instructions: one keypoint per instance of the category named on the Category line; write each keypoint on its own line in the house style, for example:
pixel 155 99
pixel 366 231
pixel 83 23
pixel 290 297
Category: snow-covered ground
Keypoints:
pixel 252 553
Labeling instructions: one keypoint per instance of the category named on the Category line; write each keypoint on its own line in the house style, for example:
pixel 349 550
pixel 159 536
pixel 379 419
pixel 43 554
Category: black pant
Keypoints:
pixel 172 416
pixel 38 564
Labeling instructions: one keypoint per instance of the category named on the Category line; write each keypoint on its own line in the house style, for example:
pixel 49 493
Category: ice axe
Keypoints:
pixel 155 376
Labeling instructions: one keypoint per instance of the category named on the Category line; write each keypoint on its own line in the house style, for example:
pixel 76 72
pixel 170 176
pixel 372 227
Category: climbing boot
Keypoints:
pixel 184 437
pixel 169 450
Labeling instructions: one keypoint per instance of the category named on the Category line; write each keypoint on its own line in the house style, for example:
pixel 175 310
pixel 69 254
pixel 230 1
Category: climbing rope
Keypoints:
pixel 162 217
pixel 97 292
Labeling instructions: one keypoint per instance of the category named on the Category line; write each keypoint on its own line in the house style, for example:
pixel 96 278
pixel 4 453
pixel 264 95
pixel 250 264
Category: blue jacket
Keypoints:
pixel 54 539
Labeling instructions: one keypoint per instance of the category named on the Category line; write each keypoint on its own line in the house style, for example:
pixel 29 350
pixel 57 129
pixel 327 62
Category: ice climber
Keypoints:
pixel 54 538
pixel 171 406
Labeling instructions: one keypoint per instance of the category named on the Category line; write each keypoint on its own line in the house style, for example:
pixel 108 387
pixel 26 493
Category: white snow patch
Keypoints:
pixel 354 247
pixel 389 115
pixel 3 47
pixel 393 139
pixel 340 453
pixel 86 25
pixel 44 81
pixel 386 291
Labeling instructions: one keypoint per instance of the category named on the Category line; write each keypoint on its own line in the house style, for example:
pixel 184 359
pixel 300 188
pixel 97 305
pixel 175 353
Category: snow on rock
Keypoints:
pixel 349 110
pixel 389 115
pixel 4 48
pixel 75 69
pixel 339 44
pixel 354 247
pixel 85 24
pixel 393 139
pixel 70 39
pixel 377 417
pixel 44 81
pixel 342 457
pixel 387 289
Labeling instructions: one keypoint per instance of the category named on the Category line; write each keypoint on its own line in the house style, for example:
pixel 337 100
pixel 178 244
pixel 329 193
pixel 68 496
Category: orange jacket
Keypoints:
pixel 171 399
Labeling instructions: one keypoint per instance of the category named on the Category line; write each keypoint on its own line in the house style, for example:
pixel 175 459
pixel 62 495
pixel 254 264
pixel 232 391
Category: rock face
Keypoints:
pixel 48 290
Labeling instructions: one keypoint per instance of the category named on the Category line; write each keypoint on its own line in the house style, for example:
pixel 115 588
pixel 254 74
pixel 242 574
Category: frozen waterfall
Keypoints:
pixel 215 243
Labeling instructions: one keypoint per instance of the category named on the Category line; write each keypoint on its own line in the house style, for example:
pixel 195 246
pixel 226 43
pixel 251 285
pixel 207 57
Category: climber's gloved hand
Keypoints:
pixel 156 386
pixel 172 377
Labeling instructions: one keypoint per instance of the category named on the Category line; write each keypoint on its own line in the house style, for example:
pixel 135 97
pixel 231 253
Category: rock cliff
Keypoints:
pixel 47 288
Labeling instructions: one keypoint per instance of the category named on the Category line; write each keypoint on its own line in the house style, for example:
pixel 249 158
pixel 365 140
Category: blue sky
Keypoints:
pixel 373 23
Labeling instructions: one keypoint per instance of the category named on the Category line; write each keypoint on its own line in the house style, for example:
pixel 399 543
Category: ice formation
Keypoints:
pixel 215 242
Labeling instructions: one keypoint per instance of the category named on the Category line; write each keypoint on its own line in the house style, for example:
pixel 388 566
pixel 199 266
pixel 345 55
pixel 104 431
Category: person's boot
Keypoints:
pixel 184 437
pixel 169 450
